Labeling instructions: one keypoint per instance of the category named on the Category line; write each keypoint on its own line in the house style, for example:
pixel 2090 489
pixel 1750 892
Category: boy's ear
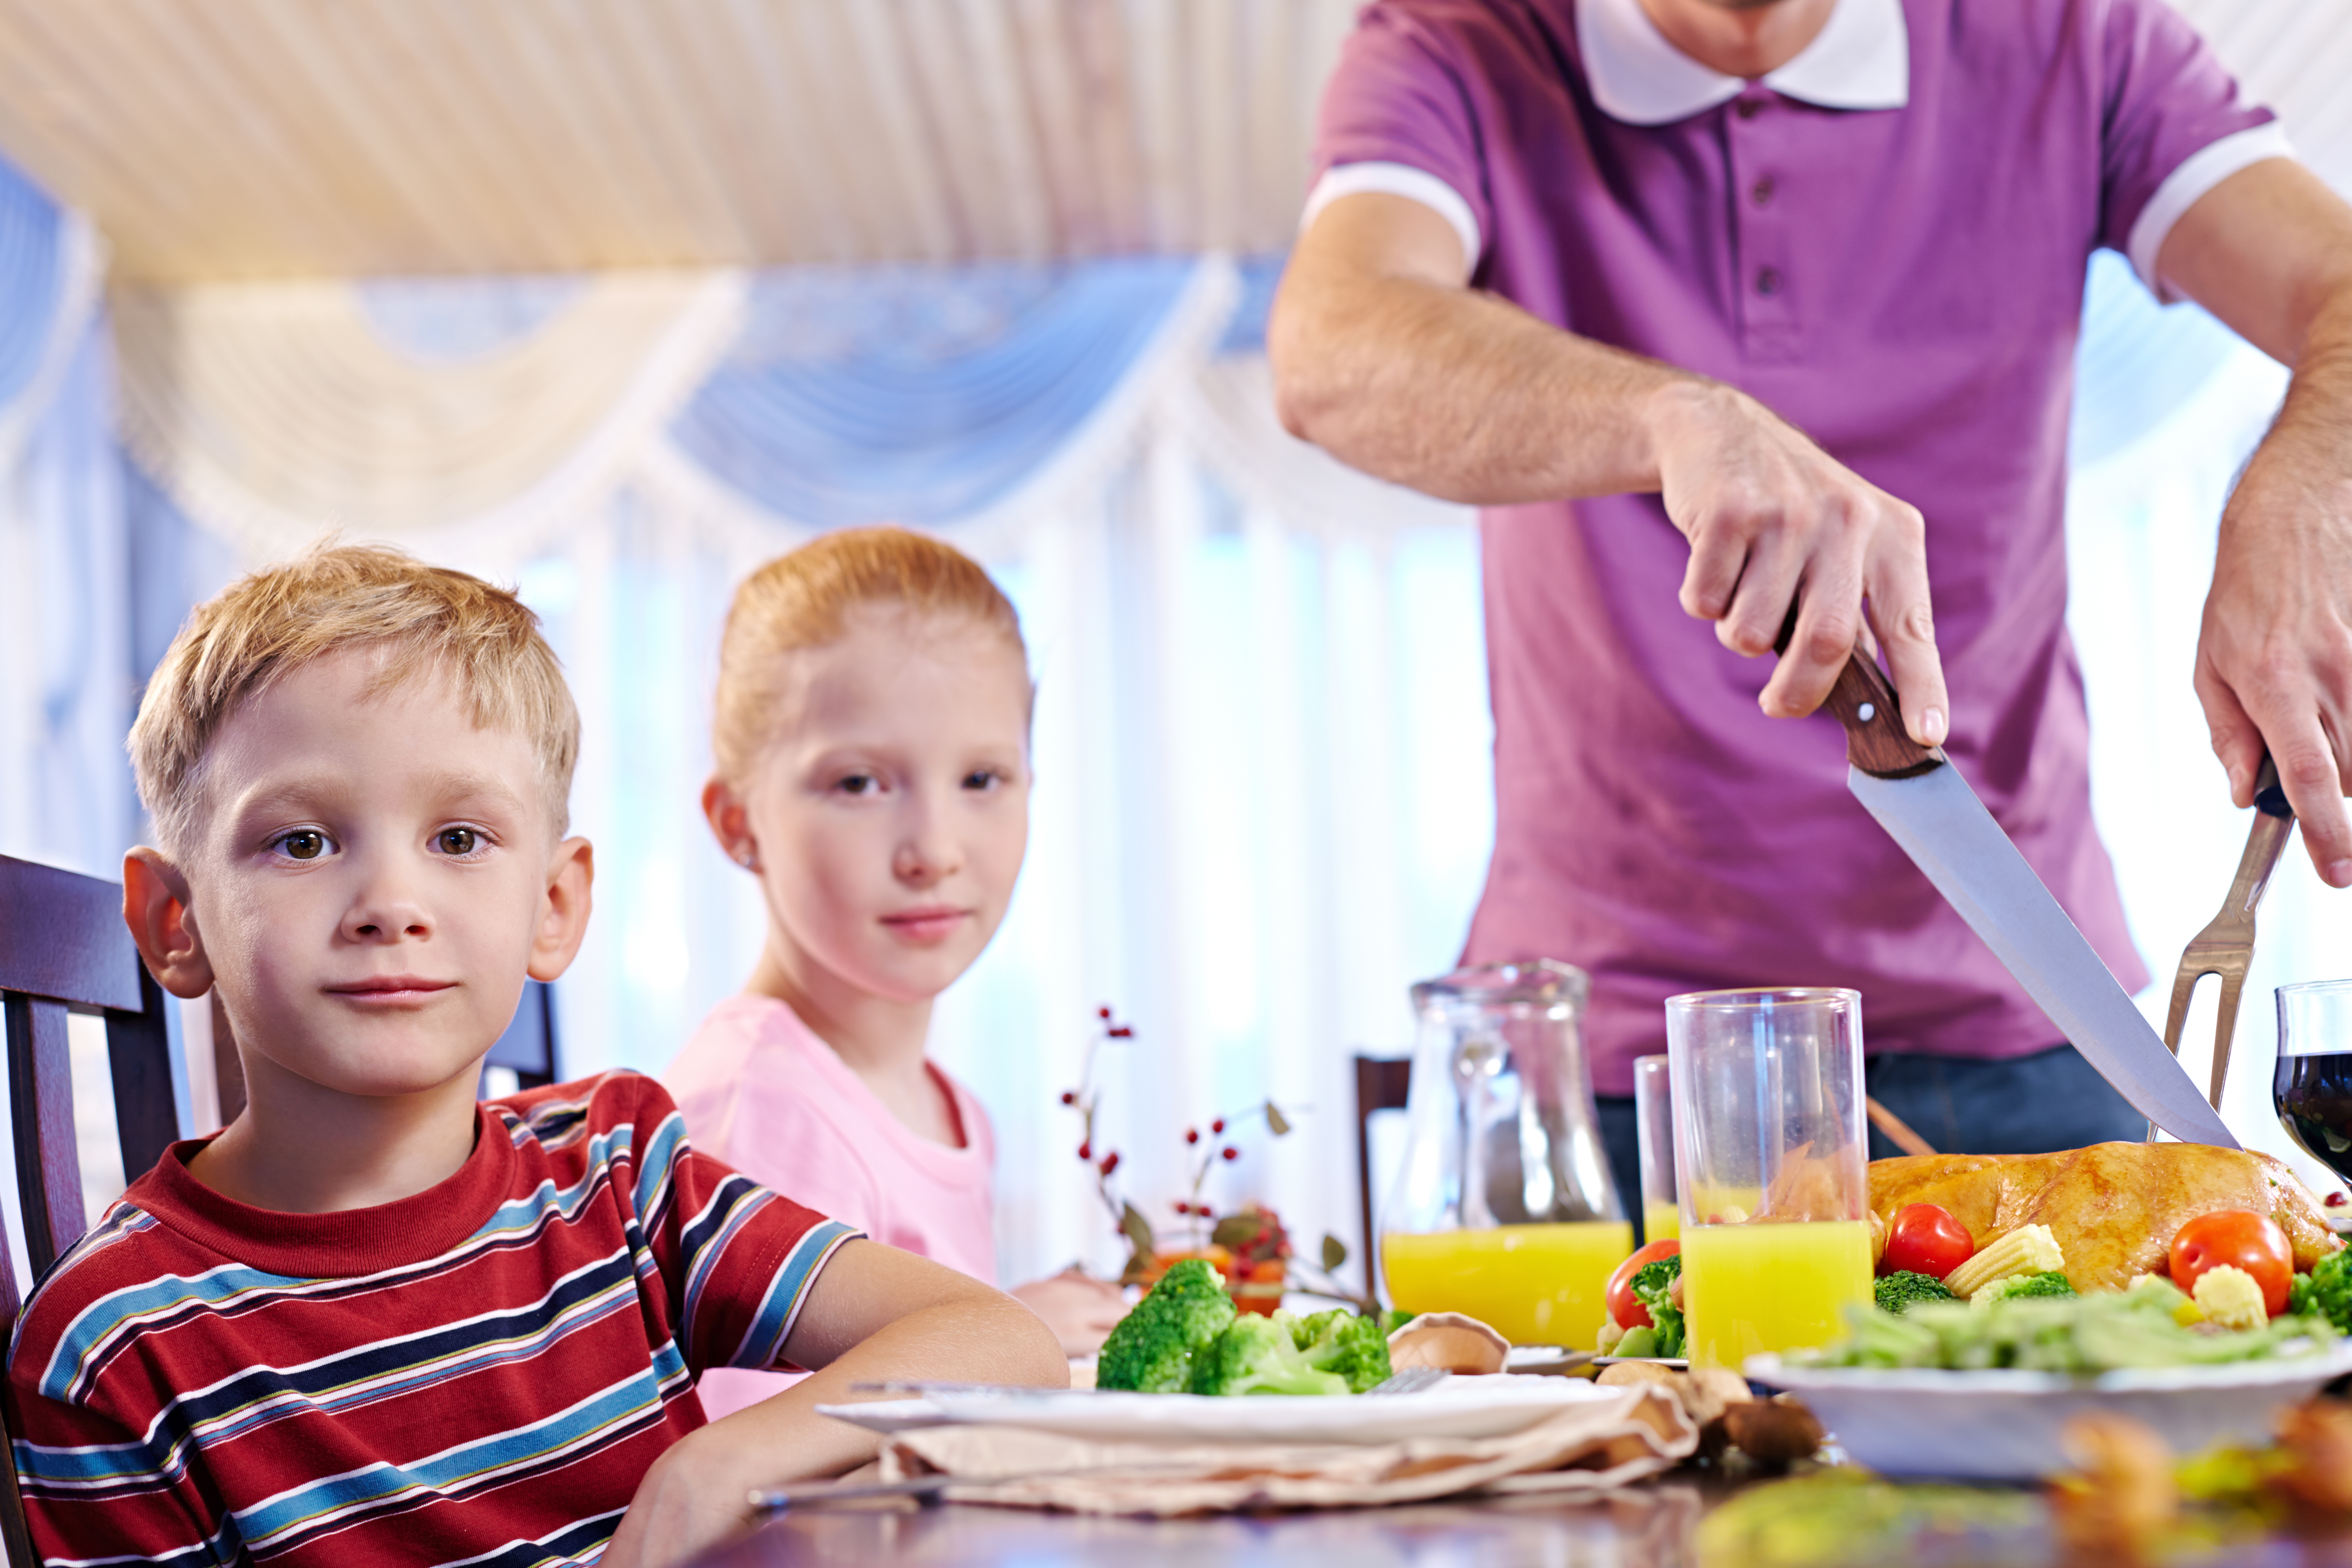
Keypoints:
pixel 155 908
pixel 564 915
pixel 731 822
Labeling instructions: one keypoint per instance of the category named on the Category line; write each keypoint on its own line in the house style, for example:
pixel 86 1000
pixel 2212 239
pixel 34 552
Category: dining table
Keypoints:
pixel 1654 1524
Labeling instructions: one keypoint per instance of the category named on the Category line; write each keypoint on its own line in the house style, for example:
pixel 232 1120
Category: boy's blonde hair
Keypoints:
pixel 425 619
pixel 802 600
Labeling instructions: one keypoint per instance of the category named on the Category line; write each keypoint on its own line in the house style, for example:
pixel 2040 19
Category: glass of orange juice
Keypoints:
pixel 1653 1126
pixel 1771 1168
pixel 1503 1209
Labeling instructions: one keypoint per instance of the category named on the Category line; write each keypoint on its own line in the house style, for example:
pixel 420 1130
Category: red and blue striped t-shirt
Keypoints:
pixel 479 1374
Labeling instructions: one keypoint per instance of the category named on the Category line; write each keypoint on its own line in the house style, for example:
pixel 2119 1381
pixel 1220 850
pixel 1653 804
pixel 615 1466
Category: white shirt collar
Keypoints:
pixel 1862 59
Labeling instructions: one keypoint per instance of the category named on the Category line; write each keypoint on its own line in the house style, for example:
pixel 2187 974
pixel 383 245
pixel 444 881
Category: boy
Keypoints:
pixel 372 1320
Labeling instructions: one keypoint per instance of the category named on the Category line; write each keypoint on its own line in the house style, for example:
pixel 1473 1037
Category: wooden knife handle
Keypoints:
pixel 1864 703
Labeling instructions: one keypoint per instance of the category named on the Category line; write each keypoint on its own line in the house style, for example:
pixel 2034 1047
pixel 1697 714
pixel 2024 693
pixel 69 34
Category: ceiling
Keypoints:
pixel 225 138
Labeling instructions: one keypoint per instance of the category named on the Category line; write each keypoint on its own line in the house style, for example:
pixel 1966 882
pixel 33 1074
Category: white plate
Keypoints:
pixel 1459 1408
pixel 2005 1424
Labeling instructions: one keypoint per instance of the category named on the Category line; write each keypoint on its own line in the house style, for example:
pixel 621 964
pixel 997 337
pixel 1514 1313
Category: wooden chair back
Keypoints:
pixel 64 949
pixel 1383 1083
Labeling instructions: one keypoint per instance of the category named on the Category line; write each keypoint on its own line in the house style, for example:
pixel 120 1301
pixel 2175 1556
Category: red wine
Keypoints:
pixel 2314 1095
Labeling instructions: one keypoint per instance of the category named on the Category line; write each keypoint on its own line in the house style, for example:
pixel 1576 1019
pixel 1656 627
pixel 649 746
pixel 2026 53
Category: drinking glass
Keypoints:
pixel 1503 1209
pixel 1771 1166
pixel 1654 1124
pixel 2312 1084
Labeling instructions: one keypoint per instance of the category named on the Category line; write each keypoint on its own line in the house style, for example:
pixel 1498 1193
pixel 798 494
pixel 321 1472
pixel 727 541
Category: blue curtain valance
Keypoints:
pixel 30 280
pixel 919 395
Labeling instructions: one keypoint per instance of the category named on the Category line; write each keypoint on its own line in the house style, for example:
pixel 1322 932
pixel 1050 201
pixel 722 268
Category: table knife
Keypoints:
pixel 1929 810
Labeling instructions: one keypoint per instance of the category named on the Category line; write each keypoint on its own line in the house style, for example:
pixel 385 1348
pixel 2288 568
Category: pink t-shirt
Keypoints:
pixel 762 1093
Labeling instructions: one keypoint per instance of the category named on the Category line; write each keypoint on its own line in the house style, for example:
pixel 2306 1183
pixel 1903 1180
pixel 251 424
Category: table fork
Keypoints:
pixel 2226 946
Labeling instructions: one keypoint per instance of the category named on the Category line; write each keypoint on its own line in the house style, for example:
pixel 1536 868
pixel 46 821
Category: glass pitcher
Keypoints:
pixel 1504 1209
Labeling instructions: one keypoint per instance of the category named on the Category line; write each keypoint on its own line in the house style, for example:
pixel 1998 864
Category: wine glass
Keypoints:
pixel 2312 1084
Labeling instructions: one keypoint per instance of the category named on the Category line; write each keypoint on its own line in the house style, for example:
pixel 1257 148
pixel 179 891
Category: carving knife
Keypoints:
pixel 1924 803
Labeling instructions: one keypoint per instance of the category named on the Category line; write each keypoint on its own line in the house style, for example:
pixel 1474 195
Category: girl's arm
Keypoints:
pixel 874 1313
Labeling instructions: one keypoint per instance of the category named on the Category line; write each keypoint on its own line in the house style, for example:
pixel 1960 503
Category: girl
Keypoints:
pixel 872 743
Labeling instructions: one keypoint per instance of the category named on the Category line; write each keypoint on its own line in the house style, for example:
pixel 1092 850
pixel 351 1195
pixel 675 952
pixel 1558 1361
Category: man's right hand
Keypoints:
pixel 1773 520
pixel 1385 357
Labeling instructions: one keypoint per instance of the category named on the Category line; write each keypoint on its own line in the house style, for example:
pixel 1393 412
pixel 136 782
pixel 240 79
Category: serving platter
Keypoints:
pixel 1462 1407
pixel 2005 1424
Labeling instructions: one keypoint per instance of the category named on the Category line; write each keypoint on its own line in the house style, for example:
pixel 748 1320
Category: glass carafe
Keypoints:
pixel 1503 1209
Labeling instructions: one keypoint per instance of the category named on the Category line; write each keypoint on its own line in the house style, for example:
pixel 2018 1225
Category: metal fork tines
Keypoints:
pixel 1412 1380
pixel 2226 946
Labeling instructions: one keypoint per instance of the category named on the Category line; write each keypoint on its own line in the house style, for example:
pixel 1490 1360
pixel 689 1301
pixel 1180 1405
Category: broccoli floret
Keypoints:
pixel 1255 1355
pixel 1305 1331
pixel 2326 1292
pixel 1351 1346
pixel 2049 1282
pixel 1905 1287
pixel 1654 1286
pixel 1153 1348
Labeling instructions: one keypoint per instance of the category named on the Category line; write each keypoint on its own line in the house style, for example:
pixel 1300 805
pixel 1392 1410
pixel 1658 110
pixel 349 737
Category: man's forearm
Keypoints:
pixel 1457 394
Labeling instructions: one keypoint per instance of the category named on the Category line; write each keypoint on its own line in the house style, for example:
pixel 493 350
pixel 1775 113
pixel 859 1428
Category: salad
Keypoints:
pixel 2143 1327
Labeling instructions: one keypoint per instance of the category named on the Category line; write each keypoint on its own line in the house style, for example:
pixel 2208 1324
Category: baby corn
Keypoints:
pixel 2030 1249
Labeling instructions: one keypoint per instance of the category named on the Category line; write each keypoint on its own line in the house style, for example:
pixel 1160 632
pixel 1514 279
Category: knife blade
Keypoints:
pixel 1929 809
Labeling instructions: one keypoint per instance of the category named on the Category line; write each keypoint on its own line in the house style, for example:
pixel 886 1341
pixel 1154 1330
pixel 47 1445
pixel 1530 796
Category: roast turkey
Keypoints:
pixel 2113 1207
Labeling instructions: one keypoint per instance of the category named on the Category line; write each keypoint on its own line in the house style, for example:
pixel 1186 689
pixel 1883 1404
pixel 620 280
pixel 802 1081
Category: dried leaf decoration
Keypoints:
pixel 1275 1122
pixel 1335 1252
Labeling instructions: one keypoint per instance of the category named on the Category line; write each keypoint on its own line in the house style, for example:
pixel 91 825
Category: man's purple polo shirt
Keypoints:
pixel 1885 242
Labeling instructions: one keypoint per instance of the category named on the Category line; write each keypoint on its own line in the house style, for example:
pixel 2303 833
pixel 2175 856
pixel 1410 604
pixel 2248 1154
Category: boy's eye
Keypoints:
pixel 303 844
pixel 457 840
pixel 981 778
pixel 857 784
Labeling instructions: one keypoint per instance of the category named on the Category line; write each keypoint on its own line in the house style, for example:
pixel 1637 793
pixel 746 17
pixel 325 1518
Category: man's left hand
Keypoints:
pixel 2269 250
pixel 2275 655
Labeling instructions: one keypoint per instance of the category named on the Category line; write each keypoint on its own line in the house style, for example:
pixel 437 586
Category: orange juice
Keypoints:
pixel 1766 1287
pixel 1536 1284
pixel 1661 1222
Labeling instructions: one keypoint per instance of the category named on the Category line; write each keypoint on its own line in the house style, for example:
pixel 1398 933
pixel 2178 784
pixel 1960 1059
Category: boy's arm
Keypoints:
pixel 874 1312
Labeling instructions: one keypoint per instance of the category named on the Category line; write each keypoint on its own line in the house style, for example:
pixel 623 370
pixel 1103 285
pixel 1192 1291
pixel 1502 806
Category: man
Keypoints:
pixel 1747 304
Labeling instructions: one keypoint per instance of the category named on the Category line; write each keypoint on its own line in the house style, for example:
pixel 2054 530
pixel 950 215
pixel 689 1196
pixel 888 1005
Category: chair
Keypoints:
pixel 1383 1083
pixel 64 949
pixel 528 1047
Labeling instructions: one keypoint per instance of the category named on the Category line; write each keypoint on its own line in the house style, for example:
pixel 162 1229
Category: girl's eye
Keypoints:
pixel 304 844
pixel 981 778
pixel 857 784
pixel 457 840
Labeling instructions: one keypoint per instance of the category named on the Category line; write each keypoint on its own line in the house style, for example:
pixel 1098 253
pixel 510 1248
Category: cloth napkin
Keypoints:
pixel 1592 1446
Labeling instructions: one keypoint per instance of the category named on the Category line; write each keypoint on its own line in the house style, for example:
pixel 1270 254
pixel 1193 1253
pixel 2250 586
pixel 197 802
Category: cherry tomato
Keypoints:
pixel 1625 1306
pixel 2242 1239
pixel 1926 1239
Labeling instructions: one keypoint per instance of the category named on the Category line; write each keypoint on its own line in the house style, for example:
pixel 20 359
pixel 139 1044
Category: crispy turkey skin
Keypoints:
pixel 2113 1207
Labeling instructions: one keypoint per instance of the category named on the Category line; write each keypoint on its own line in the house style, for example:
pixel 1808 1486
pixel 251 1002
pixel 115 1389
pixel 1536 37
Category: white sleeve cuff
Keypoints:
pixel 1399 180
pixel 2198 173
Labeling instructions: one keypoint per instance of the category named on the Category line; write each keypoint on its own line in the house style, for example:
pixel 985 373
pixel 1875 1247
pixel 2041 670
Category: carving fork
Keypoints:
pixel 2226 946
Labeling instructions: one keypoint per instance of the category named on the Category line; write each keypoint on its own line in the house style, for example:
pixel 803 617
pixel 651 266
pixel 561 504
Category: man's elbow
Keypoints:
pixel 1304 394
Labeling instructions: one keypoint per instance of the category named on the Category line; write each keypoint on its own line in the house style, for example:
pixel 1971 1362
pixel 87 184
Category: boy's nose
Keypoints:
pixel 387 910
